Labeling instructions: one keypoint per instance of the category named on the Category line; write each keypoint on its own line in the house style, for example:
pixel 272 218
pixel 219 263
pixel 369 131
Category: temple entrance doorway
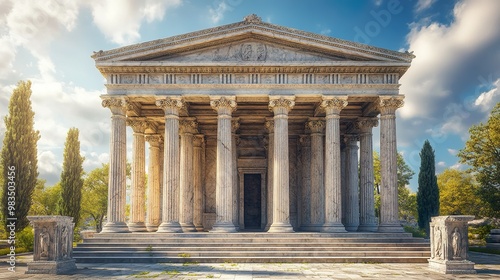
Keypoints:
pixel 252 201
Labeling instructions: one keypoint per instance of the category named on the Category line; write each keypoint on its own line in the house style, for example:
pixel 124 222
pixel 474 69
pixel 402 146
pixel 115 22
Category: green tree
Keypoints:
pixel 428 191
pixel 457 194
pixel 95 196
pixel 45 199
pixel 406 200
pixel 482 153
pixel 71 177
pixel 19 157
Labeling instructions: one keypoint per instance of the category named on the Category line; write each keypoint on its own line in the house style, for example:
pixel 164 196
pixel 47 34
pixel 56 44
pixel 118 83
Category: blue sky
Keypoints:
pixel 452 83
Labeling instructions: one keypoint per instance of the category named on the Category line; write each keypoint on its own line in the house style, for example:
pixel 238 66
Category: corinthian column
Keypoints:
pixel 171 160
pixel 224 179
pixel 317 127
pixel 235 125
pixel 367 219
pixel 117 165
pixel 333 198
pixel 269 125
pixel 305 153
pixel 389 220
pixel 352 195
pixel 188 127
pixel 199 141
pixel 154 191
pixel 281 200
pixel 137 199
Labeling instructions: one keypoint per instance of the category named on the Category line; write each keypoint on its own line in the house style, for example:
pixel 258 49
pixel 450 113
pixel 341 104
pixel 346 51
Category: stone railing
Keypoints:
pixel 450 244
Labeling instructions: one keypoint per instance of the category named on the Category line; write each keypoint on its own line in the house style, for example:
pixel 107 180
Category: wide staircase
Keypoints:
pixel 255 247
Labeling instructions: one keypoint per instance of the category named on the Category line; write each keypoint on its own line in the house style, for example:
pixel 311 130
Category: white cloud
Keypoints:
pixel 217 14
pixel 120 20
pixel 441 164
pixel 424 5
pixel 452 152
pixel 447 63
pixel 48 167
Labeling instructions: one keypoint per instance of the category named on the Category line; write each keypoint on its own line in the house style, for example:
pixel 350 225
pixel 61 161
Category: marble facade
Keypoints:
pixel 252 98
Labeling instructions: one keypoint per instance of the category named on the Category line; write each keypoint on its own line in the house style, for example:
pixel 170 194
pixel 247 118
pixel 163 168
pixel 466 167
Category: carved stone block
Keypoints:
pixel 450 244
pixel 53 245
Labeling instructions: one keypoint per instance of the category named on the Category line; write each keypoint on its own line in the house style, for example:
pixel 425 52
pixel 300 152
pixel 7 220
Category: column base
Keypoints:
pixel 368 228
pixel 137 227
pixel 393 227
pixel 151 227
pixel 351 228
pixel 199 228
pixel 223 227
pixel 333 227
pixel 281 227
pixel 170 227
pixel 115 227
pixel 188 227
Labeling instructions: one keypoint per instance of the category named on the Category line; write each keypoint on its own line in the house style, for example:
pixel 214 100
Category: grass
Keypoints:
pixel 484 250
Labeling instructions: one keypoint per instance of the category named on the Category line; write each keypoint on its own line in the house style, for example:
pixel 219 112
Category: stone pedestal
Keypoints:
pixel 53 245
pixel 450 244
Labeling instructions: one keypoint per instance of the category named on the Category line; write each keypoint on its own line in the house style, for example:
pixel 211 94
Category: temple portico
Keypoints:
pixel 252 127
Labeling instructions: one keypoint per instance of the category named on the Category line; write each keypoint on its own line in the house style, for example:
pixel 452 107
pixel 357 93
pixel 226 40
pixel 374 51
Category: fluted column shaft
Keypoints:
pixel 137 194
pixel 367 219
pixel 198 181
pixel 352 196
pixel 333 198
pixel 117 166
pixel 389 220
pixel 154 193
pixel 171 161
pixel 305 223
pixel 269 125
pixel 281 192
pixel 236 206
pixel 224 178
pixel 188 127
pixel 317 126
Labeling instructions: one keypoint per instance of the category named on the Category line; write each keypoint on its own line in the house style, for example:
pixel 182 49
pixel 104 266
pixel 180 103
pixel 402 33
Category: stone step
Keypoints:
pixel 265 259
pixel 251 248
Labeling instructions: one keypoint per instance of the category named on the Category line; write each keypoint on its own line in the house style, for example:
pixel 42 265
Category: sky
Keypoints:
pixel 452 83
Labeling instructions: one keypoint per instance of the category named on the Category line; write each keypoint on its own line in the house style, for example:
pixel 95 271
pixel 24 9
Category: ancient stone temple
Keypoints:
pixel 252 126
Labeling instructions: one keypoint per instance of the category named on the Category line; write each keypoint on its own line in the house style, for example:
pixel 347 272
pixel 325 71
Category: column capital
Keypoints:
pixel 316 125
pixel 235 125
pixel 269 125
pixel 351 139
pixel 138 125
pixel 333 104
pixel 117 105
pixel 366 124
pixel 281 104
pixel 154 139
pixel 224 105
pixel 198 140
pixel 171 105
pixel 389 104
pixel 305 140
pixel 188 125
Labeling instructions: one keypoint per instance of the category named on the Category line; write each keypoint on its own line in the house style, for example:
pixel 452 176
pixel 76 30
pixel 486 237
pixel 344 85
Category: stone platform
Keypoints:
pixel 253 247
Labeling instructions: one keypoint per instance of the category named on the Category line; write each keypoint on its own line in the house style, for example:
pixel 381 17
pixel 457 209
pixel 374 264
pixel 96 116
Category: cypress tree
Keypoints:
pixel 428 191
pixel 71 177
pixel 19 158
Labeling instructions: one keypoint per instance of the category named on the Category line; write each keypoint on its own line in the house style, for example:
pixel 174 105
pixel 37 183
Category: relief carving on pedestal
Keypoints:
pixel 44 244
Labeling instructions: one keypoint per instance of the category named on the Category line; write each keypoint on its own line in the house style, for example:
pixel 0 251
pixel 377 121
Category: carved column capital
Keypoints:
pixel 224 105
pixel 282 104
pixel 305 140
pixel 188 125
pixel 138 125
pixel 199 140
pixel 333 105
pixel 316 125
pixel 351 139
pixel 154 139
pixel 117 105
pixel 365 125
pixel 171 105
pixel 389 104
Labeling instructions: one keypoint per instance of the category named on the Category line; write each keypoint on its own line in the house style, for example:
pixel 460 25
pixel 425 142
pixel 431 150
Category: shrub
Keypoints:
pixel 416 232
pixel 25 239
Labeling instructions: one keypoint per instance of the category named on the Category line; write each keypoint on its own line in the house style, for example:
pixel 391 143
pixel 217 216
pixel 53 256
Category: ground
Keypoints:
pixel 487 266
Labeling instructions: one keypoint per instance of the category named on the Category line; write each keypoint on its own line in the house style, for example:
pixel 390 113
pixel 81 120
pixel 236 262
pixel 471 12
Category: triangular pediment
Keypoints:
pixel 250 40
